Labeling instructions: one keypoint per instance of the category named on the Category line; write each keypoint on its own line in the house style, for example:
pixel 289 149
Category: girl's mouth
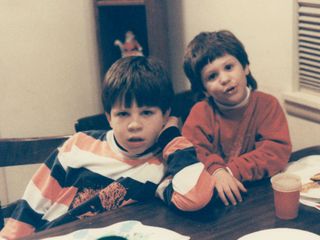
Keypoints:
pixel 230 90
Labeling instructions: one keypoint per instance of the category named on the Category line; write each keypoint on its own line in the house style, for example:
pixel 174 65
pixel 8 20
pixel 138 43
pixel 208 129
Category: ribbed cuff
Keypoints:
pixel 218 170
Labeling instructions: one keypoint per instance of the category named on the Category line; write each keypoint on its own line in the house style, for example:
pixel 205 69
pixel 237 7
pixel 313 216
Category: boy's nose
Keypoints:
pixel 134 125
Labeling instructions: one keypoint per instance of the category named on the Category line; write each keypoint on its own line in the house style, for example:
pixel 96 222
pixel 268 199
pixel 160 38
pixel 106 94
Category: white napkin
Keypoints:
pixel 306 167
pixel 310 203
pixel 132 230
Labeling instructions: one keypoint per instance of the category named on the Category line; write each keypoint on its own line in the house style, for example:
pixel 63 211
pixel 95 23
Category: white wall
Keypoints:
pixel 266 29
pixel 49 73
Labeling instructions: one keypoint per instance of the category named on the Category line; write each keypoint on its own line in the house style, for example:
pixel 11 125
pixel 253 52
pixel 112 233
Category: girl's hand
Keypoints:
pixel 229 188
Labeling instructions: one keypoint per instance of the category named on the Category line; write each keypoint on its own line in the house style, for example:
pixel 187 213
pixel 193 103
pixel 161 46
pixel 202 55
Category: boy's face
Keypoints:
pixel 225 80
pixel 136 128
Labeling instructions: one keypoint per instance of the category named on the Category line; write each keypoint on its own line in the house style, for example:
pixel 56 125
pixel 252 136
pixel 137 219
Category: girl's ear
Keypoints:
pixel 206 94
pixel 247 69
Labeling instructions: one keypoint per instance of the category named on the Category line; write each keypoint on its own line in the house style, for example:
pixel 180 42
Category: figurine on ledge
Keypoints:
pixel 130 47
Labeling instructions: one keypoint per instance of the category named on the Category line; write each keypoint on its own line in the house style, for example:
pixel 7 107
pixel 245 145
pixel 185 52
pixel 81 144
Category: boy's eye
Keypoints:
pixel 122 114
pixel 147 112
pixel 228 67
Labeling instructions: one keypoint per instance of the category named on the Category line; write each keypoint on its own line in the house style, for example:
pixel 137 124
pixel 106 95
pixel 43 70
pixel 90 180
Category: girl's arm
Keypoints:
pixel 199 129
pixel 272 147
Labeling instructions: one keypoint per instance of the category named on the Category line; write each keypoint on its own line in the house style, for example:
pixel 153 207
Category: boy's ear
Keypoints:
pixel 171 121
pixel 167 114
pixel 108 118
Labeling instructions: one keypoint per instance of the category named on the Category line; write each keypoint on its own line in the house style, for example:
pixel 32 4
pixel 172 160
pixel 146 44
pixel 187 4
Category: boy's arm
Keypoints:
pixel 272 146
pixel 38 197
pixel 188 186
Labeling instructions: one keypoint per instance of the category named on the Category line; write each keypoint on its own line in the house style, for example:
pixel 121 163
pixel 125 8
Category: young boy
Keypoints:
pixel 123 165
pixel 240 134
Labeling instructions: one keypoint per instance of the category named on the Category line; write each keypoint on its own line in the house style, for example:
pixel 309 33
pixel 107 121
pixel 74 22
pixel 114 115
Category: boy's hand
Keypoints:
pixel 229 188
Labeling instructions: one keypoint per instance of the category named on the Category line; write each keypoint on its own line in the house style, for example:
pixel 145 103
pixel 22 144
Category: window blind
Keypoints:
pixel 309 44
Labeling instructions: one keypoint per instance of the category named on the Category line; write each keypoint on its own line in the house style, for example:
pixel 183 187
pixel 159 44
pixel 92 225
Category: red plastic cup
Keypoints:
pixel 286 189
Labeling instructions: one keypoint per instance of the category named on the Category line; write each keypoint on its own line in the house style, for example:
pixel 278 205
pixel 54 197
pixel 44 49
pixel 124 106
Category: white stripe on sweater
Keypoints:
pixel 78 158
pixel 187 178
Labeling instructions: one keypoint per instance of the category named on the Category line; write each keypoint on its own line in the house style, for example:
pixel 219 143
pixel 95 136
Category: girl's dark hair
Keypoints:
pixel 139 79
pixel 208 46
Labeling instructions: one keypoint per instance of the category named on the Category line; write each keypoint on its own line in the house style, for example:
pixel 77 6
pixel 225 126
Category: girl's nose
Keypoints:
pixel 224 78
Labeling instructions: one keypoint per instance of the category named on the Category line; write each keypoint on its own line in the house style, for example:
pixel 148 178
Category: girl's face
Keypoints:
pixel 136 128
pixel 225 80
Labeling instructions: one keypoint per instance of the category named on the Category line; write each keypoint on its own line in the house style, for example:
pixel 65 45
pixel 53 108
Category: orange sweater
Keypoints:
pixel 252 141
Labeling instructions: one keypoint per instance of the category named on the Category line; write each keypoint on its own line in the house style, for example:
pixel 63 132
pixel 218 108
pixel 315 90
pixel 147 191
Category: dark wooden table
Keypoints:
pixel 215 221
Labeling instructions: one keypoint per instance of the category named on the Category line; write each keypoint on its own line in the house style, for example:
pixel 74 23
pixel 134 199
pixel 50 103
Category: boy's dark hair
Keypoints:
pixel 138 78
pixel 208 46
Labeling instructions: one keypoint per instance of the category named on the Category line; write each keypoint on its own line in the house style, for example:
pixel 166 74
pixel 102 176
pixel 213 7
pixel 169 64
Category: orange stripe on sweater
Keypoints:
pixel 198 197
pixel 49 187
pixel 177 143
pixel 86 143
pixel 16 229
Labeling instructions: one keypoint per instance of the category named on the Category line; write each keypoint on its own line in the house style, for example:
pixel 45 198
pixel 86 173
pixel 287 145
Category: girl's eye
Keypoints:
pixel 212 76
pixel 228 67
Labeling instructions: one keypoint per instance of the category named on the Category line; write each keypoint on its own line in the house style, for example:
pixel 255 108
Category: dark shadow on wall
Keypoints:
pixel 177 43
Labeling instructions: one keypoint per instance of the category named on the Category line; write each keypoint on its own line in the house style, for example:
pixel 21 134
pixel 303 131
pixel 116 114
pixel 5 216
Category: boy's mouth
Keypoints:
pixel 135 139
pixel 135 142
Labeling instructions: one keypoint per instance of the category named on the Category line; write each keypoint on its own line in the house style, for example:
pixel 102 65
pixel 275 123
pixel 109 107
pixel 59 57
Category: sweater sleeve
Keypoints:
pixel 39 195
pixel 187 186
pixel 199 130
pixel 272 146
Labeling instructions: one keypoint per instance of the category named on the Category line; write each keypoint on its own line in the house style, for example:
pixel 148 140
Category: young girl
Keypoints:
pixel 240 134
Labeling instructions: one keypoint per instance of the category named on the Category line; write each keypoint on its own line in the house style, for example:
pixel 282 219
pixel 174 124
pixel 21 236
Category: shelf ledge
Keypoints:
pixel 303 105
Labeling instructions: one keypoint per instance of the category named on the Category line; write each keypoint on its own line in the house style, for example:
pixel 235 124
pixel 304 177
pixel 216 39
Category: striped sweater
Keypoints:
pixel 91 164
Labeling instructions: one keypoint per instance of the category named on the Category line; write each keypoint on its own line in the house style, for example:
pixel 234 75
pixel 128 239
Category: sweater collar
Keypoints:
pixel 153 150
pixel 243 103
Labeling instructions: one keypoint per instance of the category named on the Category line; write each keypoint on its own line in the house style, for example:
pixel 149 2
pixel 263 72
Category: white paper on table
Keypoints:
pixel 281 233
pixel 306 167
pixel 310 203
pixel 132 230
